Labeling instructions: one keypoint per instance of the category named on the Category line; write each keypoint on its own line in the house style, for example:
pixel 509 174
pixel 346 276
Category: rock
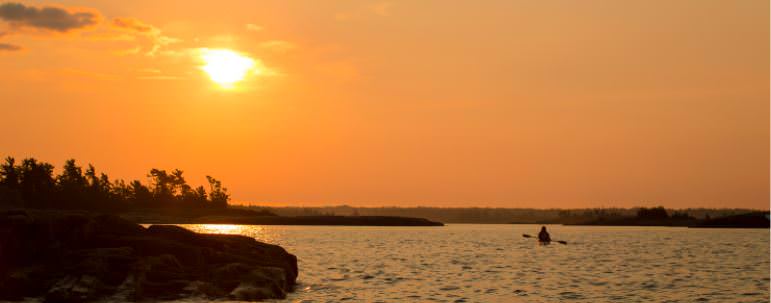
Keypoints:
pixel 252 292
pixel 204 289
pixel 250 283
pixel 77 257
pixel 73 288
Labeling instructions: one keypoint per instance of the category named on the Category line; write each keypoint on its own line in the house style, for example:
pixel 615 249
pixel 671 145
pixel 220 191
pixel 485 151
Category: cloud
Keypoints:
pixel 9 47
pixel 46 17
pixel 254 27
pixel 131 51
pixel 159 42
pixel 222 39
pixel 159 78
pixel 134 25
pixel 149 70
pixel 279 46
pixel 140 28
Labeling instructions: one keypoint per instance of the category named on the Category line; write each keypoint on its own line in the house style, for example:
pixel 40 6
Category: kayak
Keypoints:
pixel 545 243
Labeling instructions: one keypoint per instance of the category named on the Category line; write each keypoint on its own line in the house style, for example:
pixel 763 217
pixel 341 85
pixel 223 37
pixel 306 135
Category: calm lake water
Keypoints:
pixel 494 263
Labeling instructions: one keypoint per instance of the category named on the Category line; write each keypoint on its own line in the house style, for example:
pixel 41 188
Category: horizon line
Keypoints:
pixel 238 203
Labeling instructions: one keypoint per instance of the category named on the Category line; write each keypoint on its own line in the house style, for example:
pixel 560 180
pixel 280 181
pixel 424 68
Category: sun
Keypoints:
pixel 225 67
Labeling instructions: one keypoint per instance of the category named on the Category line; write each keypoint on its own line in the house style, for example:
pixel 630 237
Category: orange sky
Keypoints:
pixel 438 103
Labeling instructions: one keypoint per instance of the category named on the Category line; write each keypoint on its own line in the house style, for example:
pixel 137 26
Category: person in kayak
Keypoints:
pixel 543 236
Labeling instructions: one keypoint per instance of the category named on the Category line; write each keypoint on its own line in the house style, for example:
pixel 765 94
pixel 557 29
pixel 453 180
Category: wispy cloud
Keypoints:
pixel 161 41
pixel 47 17
pixel 138 27
pixel 279 46
pixel 133 24
pixel 156 74
pixel 159 77
pixel 254 27
pixel 9 47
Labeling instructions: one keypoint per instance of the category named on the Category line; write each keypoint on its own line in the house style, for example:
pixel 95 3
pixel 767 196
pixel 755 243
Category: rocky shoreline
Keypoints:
pixel 78 257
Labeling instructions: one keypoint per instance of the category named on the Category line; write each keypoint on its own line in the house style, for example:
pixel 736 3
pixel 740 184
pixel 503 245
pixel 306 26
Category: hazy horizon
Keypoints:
pixel 513 104
pixel 300 205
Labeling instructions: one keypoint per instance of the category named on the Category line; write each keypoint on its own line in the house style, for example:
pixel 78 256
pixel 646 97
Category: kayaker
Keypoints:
pixel 543 236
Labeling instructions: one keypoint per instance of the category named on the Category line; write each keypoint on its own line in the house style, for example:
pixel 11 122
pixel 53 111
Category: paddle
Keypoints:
pixel 558 241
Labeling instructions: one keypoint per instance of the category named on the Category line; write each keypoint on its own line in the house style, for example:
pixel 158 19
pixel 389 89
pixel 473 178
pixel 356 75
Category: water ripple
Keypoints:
pixel 493 263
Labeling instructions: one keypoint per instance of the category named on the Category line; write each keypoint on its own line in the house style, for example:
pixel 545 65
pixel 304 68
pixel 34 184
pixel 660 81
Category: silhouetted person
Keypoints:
pixel 543 236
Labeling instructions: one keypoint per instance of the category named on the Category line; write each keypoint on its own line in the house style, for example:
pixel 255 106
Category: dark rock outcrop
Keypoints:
pixel 76 257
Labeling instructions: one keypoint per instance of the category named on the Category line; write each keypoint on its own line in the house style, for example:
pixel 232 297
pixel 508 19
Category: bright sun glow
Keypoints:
pixel 226 67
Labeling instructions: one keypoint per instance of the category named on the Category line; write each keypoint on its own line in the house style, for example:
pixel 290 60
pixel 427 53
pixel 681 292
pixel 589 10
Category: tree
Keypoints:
pixel 218 195
pixel 162 186
pixel 98 190
pixel 140 195
pixel 652 213
pixel 9 183
pixel 104 190
pixel 195 197
pixel 681 215
pixel 179 186
pixel 71 185
pixel 32 184
pixel 36 183
pixel 71 176
pixel 9 173
pixel 120 190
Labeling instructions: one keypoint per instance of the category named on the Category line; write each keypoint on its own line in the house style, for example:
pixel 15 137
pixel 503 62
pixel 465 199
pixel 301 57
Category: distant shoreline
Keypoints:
pixel 748 220
pixel 632 225
pixel 482 215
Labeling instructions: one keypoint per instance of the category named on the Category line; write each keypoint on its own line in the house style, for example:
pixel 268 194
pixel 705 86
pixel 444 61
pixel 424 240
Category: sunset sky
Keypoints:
pixel 498 103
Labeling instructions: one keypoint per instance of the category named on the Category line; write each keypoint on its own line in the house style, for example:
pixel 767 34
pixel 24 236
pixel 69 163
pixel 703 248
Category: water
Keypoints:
pixel 494 263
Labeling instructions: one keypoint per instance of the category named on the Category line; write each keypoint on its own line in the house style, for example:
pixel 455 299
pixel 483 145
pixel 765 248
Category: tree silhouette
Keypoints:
pixel 36 183
pixel 218 195
pixel 9 183
pixel 139 195
pixel 652 213
pixel 71 184
pixel 32 184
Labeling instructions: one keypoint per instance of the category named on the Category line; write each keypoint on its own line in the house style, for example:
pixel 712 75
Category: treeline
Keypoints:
pixel 32 184
pixel 502 215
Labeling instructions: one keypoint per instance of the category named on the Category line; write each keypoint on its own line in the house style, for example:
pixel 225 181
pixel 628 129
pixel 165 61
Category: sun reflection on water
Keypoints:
pixel 260 233
pixel 218 228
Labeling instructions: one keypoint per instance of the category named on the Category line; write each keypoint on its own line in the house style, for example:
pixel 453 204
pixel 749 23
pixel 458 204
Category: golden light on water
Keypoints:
pixel 226 67
pixel 219 228
pixel 260 233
